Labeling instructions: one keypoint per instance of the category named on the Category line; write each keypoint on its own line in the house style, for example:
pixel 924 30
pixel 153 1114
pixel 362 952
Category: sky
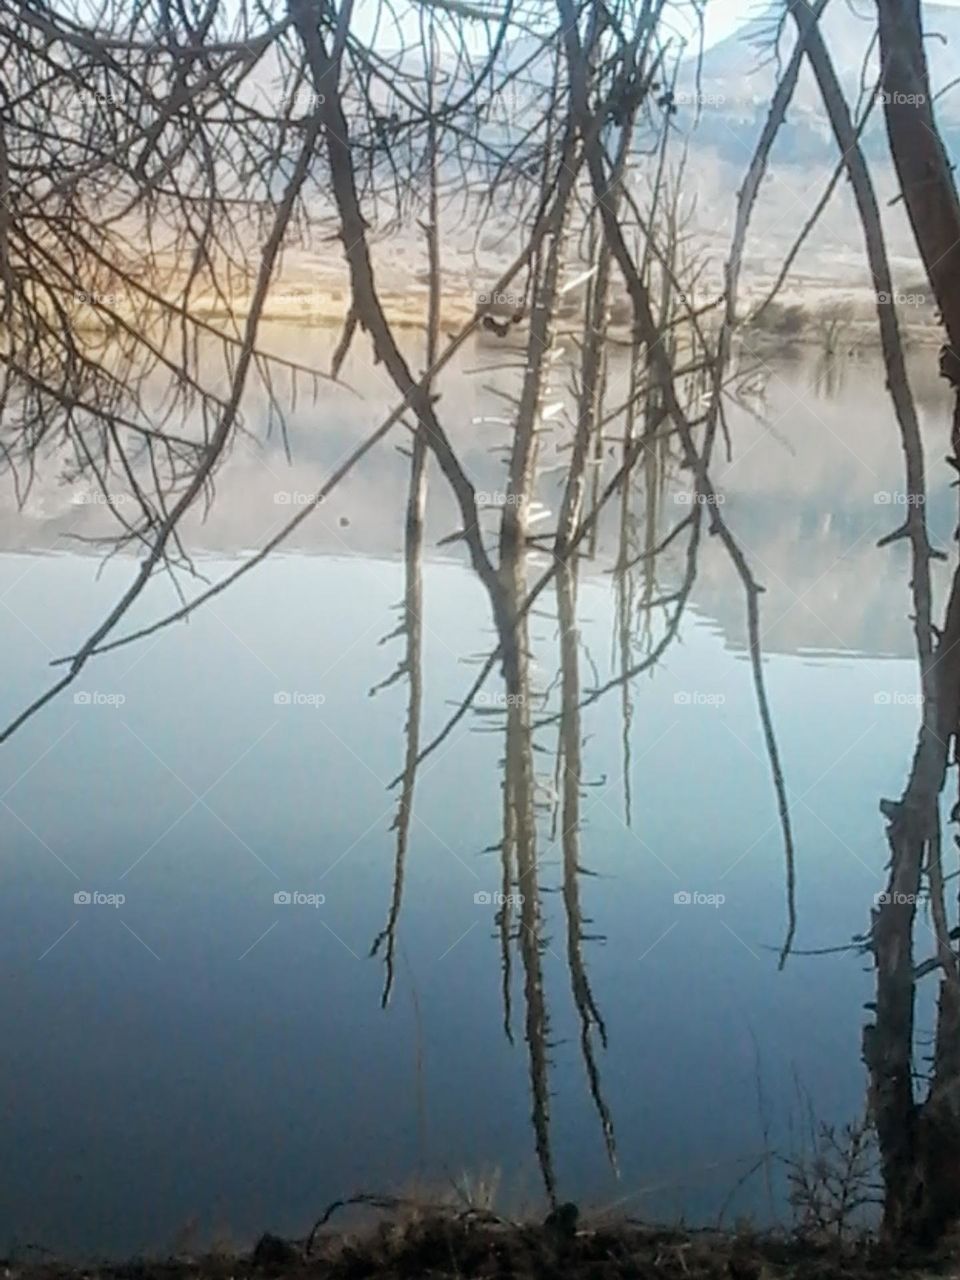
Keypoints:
pixel 721 17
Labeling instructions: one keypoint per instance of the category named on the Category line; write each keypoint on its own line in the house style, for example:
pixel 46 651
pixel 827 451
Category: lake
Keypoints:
pixel 202 1043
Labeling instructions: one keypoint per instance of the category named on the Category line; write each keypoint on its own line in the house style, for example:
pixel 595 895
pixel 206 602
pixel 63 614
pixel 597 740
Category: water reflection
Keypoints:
pixel 615 988
pixel 570 769
pixel 410 666
pixel 813 482
pixel 530 800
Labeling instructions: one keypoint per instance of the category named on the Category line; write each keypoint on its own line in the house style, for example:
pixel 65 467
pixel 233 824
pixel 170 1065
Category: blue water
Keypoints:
pixel 201 1054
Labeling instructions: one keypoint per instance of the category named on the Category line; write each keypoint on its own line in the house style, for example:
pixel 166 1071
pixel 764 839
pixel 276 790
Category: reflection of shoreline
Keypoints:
pixel 845 611
pixel 865 628
pixel 801 494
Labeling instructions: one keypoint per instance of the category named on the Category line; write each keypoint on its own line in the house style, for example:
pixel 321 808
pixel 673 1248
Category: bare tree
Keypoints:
pixel 157 158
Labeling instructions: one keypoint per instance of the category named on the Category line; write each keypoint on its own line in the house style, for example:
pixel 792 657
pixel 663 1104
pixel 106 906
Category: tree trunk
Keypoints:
pixel 925 176
pixel 920 1140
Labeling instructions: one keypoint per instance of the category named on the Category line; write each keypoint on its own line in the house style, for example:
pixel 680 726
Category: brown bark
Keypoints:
pixel 925 1198
pixel 664 376
pixel 324 69
pixel 919 1141
pixel 922 165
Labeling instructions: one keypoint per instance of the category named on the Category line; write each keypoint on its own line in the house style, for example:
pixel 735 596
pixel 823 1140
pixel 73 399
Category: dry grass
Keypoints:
pixel 406 1240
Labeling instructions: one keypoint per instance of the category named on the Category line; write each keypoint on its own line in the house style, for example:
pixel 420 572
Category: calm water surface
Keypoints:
pixel 204 1053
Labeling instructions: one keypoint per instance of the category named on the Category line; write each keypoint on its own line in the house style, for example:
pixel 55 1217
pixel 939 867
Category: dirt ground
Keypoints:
pixel 431 1245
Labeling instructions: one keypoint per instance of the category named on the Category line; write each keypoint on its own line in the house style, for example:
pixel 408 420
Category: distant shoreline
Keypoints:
pixel 807 319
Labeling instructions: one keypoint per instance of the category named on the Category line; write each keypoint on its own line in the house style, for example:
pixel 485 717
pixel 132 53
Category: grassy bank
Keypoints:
pixel 434 1243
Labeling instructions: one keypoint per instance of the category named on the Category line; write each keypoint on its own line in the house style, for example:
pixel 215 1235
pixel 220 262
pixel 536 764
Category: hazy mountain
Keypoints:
pixel 734 83
pixel 723 100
